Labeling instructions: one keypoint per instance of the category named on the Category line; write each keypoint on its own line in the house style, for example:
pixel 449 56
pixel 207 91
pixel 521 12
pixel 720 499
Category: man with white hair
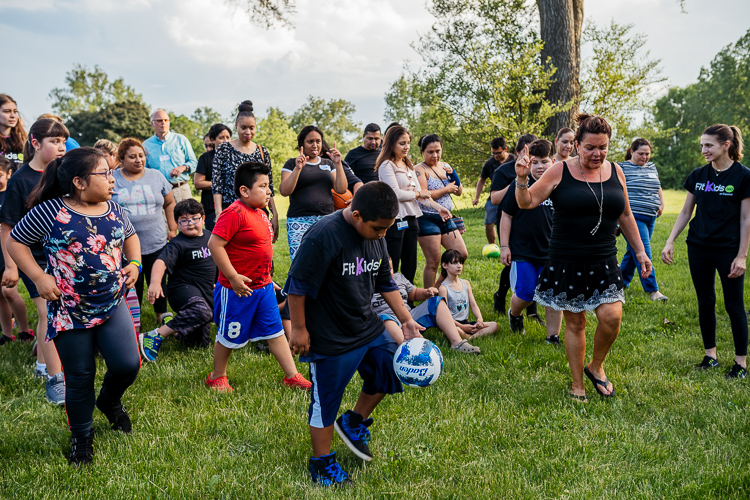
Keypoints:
pixel 171 154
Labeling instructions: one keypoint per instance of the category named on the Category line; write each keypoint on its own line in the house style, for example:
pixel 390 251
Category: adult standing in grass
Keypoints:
pixel 717 240
pixel 499 150
pixel 564 146
pixel 582 274
pixel 84 235
pixel 646 203
pixel 203 179
pixel 362 158
pixel 171 154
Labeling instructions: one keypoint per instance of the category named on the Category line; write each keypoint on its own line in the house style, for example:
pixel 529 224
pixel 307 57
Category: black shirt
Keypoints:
pixel 531 228
pixel 503 175
pixel 15 158
pixel 2 257
pixel 312 194
pixel 20 186
pixel 362 161
pixel 491 165
pixel 351 179
pixel 206 167
pixel 190 267
pixel 339 272
pixel 718 199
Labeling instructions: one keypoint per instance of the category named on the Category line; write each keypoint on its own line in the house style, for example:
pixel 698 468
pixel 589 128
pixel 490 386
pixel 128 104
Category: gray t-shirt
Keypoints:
pixel 380 306
pixel 143 201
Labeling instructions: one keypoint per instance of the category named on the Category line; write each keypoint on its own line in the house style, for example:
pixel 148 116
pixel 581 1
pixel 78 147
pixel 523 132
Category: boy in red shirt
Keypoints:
pixel 245 307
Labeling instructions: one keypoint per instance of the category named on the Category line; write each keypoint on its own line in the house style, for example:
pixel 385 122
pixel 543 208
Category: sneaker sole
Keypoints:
pixel 141 336
pixel 349 444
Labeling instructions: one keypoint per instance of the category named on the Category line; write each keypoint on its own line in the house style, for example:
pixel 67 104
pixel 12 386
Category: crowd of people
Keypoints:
pixel 84 227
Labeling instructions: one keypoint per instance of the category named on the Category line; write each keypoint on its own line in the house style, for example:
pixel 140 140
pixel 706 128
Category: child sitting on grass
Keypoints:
pixel 192 274
pixel 457 292
pixel 245 302
pixel 433 312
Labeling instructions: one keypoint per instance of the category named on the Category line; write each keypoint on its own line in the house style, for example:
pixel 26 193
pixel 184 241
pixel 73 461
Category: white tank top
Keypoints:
pixel 458 302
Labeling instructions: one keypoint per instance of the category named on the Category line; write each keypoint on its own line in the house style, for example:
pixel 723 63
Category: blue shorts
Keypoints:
pixel 490 212
pixel 30 286
pixel 432 224
pixel 331 374
pixel 524 277
pixel 426 313
pixel 244 319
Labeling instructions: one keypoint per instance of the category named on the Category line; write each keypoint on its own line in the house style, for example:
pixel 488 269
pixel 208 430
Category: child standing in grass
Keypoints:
pixel 84 235
pixel 457 293
pixel 192 274
pixel 245 302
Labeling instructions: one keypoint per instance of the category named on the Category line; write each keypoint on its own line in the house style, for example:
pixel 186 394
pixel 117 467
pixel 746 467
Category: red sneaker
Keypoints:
pixel 220 384
pixel 26 336
pixel 4 340
pixel 298 381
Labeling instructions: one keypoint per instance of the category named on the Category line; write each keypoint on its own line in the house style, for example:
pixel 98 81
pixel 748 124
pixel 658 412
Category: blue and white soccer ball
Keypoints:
pixel 418 362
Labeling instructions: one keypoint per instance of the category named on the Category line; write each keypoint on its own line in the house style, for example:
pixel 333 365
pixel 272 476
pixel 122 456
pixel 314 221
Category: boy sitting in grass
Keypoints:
pixel 524 240
pixel 341 262
pixel 192 273
pixel 246 308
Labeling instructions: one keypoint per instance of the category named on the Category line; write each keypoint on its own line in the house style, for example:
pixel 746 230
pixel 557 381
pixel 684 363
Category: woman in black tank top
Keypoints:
pixel 582 273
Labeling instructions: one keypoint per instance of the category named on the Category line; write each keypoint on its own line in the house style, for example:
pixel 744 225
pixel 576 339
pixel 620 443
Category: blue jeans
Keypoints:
pixel 630 263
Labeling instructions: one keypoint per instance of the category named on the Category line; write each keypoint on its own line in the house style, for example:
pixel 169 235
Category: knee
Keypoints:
pixel 576 324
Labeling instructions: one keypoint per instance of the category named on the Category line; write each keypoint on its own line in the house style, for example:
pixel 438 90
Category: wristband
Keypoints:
pixel 522 186
pixel 138 265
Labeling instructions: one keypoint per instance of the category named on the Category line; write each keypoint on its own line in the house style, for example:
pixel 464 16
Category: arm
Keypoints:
pixel 45 284
pixel 496 197
pixel 410 327
pixel 190 160
pixel 420 294
pixel 682 219
pixel 661 204
pixel 217 246
pixel 339 176
pixel 740 262
pixel 387 174
pixel 540 191
pixel 475 307
pixel 154 288
pixel 480 188
pixel 299 338
pixel 422 175
pixel 289 179
pixel 10 275
pixel 217 180
pixel 506 223
pixel 630 228
pixel 132 250
pixel 218 204
pixel 200 182
pixel 169 211
pixel 275 220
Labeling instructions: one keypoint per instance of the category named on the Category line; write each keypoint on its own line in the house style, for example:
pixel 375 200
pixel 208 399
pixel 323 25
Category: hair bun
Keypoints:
pixel 582 117
pixel 245 106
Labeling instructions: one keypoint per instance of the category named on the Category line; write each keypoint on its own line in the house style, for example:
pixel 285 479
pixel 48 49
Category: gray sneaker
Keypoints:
pixel 39 373
pixel 56 390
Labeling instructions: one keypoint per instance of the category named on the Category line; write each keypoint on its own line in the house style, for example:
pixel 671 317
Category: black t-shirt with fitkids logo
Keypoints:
pixel 312 194
pixel 718 199
pixel 15 159
pixel 190 267
pixel 20 186
pixel 338 272
pixel 531 228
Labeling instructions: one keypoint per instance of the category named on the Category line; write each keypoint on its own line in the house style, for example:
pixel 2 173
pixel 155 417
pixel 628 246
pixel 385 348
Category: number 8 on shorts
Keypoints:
pixel 240 320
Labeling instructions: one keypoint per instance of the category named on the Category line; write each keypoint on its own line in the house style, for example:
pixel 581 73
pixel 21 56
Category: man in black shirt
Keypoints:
pixel 362 158
pixel 499 156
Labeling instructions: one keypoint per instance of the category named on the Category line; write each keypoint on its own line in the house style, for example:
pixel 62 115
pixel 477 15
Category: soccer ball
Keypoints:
pixel 491 250
pixel 418 362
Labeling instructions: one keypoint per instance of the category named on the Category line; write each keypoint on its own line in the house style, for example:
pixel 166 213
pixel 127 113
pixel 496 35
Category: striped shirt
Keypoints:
pixel 643 188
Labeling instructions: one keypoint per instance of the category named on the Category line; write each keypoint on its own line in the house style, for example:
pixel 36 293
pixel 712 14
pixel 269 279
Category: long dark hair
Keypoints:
pixel 57 180
pixel 40 130
pixel 450 257
pixel 306 131
pixel 728 133
pixel 14 143
pixel 387 151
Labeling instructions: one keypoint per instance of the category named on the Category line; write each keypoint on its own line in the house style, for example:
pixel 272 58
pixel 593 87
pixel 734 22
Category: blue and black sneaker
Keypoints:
pixel 150 344
pixel 325 471
pixel 355 433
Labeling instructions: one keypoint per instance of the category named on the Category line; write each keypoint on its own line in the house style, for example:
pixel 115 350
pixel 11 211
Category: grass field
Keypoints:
pixel 494 426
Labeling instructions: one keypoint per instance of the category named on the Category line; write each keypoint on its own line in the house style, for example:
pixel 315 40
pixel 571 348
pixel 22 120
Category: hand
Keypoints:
pixel 299 341
pixel 452 187
pixel 432 291
pixel 10 276
pixel 479 324
pixel 505 256
pixel 131 275
pixel 660 211
pixel 177 171
pixel 412 330
pixel 238 285
pixel 738 267
pixel 467 329
pixel 275 226
pixel 171 234
pixel 523 164
pixel 334 154
pixel 301 160
pixel 154 292
pixel 47 288
pixel 448 169
pixel 445 214
pixel 475 201
pixel 423 194
pixel 645 262
pixel 276 286
pixel 666 254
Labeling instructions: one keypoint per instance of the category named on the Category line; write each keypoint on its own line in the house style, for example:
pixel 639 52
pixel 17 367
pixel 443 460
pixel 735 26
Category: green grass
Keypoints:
pixel 498 425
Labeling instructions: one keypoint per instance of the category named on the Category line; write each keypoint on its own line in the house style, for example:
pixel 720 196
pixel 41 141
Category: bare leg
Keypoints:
pixel 394 331
pixel 446 324
pixel 287 324
pixel 517 305
pixel 18 306
pixel 489 231
pixel 47 349
pixel 575 348
pixel 554 321
pixel 221 360
pixel 165 331
pixel 609 317
pixel 366 403
pixel 280 349
pixel 490 327
pixel 454 241
pixel 6 317
pixel 431 249
pixel 321 440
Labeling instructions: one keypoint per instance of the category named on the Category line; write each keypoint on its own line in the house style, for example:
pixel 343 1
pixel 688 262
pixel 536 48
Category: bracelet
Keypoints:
pixel 504 246
pixel 137 264
pixel 522 186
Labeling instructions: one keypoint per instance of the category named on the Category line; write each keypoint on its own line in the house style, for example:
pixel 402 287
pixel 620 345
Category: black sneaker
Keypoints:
pixel 325 471
pixel 707 363
pixel 26 336
pixel 499 303
pixel 538 319
pixel 553 339
pixel 116 413
pixel 737 371
pixel 516 323
pixel 355 433
pixel 262 346
pixel 6 340
pixel 82 449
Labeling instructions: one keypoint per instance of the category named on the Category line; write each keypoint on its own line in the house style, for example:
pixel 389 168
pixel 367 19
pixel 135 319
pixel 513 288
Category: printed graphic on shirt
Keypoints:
pixel 141 195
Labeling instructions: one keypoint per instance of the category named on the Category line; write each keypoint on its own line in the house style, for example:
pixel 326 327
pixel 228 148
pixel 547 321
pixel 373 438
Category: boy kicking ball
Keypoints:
pixel 245 307
pixel 341 262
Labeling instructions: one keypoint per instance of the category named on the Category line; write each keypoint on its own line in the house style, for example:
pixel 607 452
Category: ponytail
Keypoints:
pixel 735 150
pixel 40 130
pixel 57 179
pixel 730 134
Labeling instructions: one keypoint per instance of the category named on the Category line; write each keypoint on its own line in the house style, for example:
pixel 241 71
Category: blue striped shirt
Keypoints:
pixel 643 188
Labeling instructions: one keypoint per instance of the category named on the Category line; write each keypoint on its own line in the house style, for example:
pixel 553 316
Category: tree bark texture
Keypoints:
pixel 561 23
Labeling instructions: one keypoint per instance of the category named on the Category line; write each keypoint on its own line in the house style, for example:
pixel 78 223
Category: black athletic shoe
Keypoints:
pixel 737 371
pixel 553 340
pixel 325 471
pixel 26 336
pixel 262 346
pixel 116 413
pixel 82 449
pixel 6 340
pixel 499 303
pixel 708 363
pixel 538 319
pixel 355 433
pixel 516 323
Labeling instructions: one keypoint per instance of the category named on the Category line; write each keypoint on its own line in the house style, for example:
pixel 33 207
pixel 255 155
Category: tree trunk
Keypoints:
pixel 561 23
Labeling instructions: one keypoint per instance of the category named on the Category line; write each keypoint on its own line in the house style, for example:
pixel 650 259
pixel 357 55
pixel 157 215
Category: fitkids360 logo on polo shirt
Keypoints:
pixel 359 266
pixel 712 187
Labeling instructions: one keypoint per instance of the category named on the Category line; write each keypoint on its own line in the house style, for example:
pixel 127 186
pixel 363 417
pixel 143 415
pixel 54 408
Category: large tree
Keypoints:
pixel 112 121
pixel 334 117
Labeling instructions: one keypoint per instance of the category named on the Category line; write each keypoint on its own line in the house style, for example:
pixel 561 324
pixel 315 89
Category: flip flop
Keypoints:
pixel 579 398
pixel 604 383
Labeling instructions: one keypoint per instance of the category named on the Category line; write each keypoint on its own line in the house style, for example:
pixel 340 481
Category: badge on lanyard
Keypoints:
pixel 402 225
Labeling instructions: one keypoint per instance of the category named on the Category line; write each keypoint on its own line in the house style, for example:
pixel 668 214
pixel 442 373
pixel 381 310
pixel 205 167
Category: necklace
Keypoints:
pixel 598 202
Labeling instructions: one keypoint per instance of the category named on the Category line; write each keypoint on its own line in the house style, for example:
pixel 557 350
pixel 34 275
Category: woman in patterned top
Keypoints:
pixel 230 155
pixel 84 235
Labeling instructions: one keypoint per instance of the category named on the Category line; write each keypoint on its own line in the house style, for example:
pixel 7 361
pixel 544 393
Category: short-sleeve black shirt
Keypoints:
pixel 190 267
pixel 20 186
pixel 718 199
pixel 351 179
pixel 206 167
pixel 503 175
pixel 531 228
pixel 312 194
pixel 362 161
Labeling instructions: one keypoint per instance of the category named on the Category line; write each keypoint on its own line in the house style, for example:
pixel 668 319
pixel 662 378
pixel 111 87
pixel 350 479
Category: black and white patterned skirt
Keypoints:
pixel 577 287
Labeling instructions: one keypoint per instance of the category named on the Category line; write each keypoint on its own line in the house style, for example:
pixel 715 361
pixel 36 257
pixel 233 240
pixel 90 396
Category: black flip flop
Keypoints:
pixel 579 399
pixel 604 383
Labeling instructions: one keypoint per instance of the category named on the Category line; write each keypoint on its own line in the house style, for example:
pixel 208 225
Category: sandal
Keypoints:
pixel 464 346
pixel 579 398
pixel 604 383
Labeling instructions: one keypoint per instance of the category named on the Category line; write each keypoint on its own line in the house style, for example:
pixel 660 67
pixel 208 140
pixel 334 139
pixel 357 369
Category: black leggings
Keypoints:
pixel 402 246
pixel 117 342
pixel 160 306
pixel 704 263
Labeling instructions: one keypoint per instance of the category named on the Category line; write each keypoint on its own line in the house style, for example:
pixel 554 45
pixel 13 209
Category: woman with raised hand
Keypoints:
pixel 646 203
pixel 307 180
pixel 203 179
pixel 582 274
pixel 12 133
pixel 564 146
pixel 717 240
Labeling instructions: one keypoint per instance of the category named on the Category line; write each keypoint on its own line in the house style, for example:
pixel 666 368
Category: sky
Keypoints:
pixel 184 54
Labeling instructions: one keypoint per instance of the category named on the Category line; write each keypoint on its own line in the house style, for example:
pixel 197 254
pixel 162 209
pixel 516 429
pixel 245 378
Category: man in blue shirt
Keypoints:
pixel 171 154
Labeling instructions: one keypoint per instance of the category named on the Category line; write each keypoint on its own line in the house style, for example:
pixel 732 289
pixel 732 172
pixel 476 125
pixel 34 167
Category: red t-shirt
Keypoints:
pixel 250 248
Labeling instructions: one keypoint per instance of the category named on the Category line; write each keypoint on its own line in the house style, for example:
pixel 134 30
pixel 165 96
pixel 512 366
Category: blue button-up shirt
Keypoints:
pixel 174 151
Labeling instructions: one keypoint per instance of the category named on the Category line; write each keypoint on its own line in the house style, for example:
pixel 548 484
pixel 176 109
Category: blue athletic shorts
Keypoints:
pixel 524 277
pixel 426 313
pixel 240 320
pixel 490 212
pixel 331 374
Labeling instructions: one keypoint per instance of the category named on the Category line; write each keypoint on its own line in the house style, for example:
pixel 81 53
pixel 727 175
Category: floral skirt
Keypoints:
pixel 296 227
pixel 577 287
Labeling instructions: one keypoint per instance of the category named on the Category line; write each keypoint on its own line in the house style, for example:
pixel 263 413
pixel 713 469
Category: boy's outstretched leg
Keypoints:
pixel 280 349
pixel 217 379
pixel 353 425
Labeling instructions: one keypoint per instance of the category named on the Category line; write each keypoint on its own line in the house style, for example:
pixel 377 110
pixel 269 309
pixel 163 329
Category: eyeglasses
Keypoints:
pixel 187 222
pixel 108 174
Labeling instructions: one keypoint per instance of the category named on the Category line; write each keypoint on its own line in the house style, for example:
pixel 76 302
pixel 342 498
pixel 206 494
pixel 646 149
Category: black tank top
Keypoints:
pixel 576 214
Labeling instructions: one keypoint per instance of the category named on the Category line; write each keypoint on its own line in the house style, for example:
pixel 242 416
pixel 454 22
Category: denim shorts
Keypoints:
pixel 432 224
